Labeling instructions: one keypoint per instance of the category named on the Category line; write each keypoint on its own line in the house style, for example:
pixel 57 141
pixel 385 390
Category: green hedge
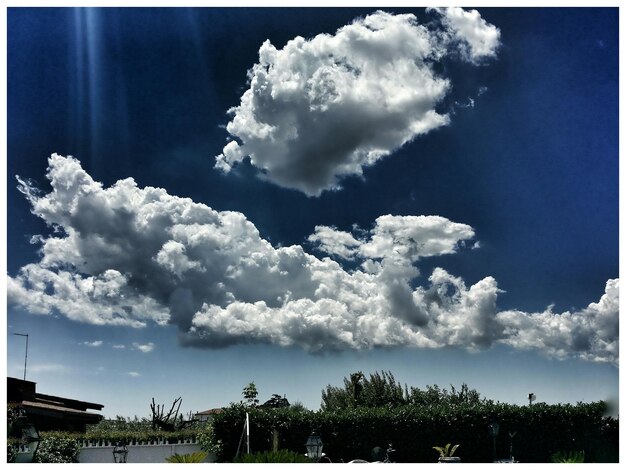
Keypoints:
pixel 542 430
pixel 278 456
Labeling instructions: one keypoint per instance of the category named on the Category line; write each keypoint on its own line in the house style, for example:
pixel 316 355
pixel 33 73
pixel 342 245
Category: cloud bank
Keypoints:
pixel 130 256
pixel 322 109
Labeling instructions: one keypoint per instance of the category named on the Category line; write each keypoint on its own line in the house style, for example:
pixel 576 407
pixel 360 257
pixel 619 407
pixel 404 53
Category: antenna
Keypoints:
pixel 26 354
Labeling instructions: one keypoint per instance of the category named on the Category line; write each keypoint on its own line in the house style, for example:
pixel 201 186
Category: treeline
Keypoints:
pixel 381 389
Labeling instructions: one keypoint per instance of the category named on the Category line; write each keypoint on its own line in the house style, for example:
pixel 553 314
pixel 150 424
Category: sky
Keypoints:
pixel 198 198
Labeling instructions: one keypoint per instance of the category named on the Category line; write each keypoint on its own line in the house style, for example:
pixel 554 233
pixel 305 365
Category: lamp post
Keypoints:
pixel 494 429
pixel 120 453
pixel 26 433
pixel 26 354
pixel 511 435
pixel 531 398
pixel 314 446
pixel 30 436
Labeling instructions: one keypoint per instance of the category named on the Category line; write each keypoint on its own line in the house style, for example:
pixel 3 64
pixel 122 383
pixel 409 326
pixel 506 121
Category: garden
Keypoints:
pixel 362 419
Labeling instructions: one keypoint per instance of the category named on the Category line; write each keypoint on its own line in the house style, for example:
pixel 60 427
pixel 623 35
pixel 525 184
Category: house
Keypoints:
pixel 48 412
pixel 208 415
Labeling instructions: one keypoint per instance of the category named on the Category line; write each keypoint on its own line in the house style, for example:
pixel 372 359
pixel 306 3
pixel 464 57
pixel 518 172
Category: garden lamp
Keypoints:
pixel 511 435
pixel 494 429
pixel 30 437
pixel 120 453
pixel 314 447
pixel 26 432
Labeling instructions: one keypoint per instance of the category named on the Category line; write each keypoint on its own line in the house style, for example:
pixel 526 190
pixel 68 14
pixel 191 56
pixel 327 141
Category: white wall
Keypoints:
pixel 140 453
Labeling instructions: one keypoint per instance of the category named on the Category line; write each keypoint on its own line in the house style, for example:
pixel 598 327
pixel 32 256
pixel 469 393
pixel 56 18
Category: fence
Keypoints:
pixel 157 452
pixel 102 452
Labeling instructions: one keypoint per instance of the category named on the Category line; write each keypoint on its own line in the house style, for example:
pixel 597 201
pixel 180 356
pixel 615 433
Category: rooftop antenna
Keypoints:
pixel 26 354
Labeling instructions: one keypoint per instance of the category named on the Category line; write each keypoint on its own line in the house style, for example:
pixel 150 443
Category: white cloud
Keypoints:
pixel 335 242
pixel 322 109
pixel 49 368
pixel 591 334
pixel 144 348
pixel 403 239
pixel 118 346
pixel 476 38
pixel 133 374
pixel 92 344
pixel 131 256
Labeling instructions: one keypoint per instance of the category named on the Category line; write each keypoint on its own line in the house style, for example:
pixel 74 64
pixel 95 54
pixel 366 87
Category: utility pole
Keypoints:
pixel 26 354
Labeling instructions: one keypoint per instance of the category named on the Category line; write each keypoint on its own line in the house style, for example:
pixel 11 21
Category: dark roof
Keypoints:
pixel 212 411
pixel 68 402
pixel 52 410
pixel 25 391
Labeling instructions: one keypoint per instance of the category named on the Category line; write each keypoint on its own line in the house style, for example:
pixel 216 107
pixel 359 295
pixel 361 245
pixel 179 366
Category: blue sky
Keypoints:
pixel 433 193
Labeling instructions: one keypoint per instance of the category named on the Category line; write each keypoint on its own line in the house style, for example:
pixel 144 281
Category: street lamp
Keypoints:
pixel 531 398
pixel 494 429
pixel 120 453
pixel 314 447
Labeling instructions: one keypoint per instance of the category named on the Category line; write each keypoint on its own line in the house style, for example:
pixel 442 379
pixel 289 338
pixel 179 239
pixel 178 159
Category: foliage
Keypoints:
pixel 381 389
pixel 57 447
pixel 277 456
pixel 208 442
pixel 433 396
pixel 352 433
pixel 276 401
pixel 136 430
pixel 250 395
pixel 13 414
pixel 569 457
pixel 11 452
pixel 446 451
pixel 298 406
pixel 196 457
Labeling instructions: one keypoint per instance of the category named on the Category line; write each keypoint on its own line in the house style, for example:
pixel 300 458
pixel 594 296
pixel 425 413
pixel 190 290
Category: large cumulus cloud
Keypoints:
pixel 130 256
pixel 321 109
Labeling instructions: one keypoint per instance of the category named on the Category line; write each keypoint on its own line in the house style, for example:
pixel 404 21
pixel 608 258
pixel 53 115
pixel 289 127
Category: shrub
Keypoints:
pixel 350 434
pixel 11 452
pixel 446 451
pixel 140 430
pixel 569 457
pixel 277 456
pixel 196 457
pixel 208 442
pixel 57 448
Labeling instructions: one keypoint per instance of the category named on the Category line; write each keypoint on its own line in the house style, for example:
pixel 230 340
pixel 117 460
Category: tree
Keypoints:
pixel 172 421
pixel 382 390
pixel 250 395
pixel 276 402
pixel 298 406
pixel 433 395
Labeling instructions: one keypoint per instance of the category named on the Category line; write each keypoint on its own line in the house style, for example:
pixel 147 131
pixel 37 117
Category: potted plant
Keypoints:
pixel 446 453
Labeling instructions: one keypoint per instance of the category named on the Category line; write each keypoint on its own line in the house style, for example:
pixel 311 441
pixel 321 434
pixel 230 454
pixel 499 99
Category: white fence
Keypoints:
pixel 138 453
pixel 102 452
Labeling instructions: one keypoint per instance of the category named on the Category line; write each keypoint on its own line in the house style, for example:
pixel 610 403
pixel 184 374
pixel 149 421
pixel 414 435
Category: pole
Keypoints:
pixel 26 353
pixel 247 433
